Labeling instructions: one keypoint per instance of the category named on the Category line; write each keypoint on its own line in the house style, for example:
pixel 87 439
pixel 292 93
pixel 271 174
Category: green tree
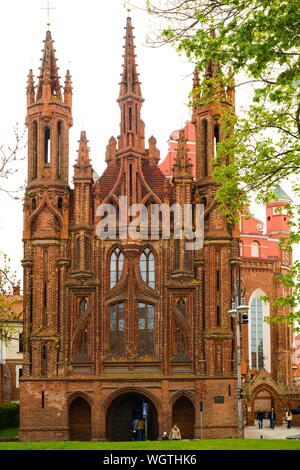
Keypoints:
pixel 9 160
pixel 259 40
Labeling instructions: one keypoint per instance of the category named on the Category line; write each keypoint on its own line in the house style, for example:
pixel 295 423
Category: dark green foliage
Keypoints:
pixel 9 415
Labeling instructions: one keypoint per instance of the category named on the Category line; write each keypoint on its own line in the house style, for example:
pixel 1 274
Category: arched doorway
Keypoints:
pixel 263 401
pixel 183 415
pixel 121 413
pixel 80 420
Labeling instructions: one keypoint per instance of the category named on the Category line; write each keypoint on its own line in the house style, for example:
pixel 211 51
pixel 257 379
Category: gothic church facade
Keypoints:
pixel 110 324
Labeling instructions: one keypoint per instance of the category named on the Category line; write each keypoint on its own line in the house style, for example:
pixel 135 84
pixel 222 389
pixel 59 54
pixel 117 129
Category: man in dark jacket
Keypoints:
pixel 272 418
pixel 260 418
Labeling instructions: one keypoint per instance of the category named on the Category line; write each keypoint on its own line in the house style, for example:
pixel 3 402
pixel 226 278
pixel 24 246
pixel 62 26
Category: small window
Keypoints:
pixel 255 249
pixel 59 203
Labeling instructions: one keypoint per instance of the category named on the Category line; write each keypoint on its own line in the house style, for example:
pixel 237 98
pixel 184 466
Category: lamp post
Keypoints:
pixel 239 311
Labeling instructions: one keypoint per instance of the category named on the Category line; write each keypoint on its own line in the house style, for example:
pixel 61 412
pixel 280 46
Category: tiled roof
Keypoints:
pixel 155 179
pixel 108 179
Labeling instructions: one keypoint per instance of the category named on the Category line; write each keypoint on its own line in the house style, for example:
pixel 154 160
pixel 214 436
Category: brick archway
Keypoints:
pixel 183 414
pixel 263 398
pixel 123 409
pixel 80 421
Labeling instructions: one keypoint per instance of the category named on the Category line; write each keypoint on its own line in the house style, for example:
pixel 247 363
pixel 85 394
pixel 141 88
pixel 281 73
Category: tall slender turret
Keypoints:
pixel 132 134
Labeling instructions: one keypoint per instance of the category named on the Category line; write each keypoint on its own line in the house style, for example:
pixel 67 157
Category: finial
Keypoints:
pixel 48 8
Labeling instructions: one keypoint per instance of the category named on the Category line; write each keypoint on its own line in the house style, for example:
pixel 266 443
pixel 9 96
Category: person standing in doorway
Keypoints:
pixel 260 418
pixel 140 429
pixel 133 429
pixel 289 417
pixel 272 418
pixel 175 433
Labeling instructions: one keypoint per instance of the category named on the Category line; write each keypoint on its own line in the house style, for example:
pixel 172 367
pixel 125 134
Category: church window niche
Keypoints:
pixel 59 203
pixel 59 148
pixel 83 306
pixel 116 266
pixel 130 118
pixel 181 306
pixel 117 329
pixel 34 149
pixel 87 253
pixel 205 147
pixel 145 329
pixel 33 204
pixel 180 347
pixel 47 146
pixel 147 267
pixel 77 253
pixel 255 249
pixel 216 138
pixel 44 360
pixel 84 342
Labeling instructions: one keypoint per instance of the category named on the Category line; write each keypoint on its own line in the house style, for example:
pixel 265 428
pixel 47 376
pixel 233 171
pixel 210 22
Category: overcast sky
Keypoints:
pixel 89 41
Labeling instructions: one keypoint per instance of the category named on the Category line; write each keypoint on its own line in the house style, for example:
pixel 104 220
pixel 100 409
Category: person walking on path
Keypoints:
pixel 175 433
pixel 260 418
pixel 272 418
pixel 289 417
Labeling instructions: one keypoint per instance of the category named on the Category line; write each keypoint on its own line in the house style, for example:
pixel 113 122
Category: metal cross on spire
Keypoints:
pixel 48 8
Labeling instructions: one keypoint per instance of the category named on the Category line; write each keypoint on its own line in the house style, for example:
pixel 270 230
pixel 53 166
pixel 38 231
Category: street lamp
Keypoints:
pixel 239 311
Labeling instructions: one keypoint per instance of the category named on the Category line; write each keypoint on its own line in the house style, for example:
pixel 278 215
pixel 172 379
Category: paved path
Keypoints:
pixel 280 432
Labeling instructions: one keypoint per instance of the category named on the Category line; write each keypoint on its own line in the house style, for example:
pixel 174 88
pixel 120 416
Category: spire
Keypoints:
pixel 49 79
pixel 130 100
pixel 182 167
pixel 83 167
pixel 130 78
pixel 68 90
pixel 30 90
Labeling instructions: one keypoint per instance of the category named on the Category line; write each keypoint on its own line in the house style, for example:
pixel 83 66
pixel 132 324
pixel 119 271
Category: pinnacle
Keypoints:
pixel 49 71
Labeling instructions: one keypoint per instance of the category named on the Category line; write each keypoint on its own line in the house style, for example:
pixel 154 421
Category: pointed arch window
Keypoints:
pixel 147 267
pixel 256 331
pixel 145 329
pixel 116 266
pixel 117 329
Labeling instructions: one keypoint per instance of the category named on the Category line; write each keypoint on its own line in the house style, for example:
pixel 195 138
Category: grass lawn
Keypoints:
pixel 9 432
pixel 213 444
